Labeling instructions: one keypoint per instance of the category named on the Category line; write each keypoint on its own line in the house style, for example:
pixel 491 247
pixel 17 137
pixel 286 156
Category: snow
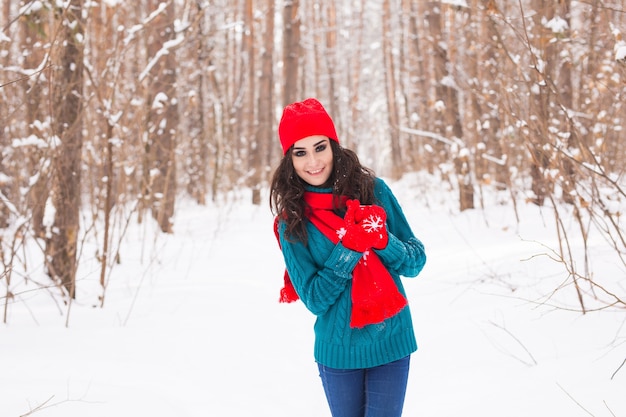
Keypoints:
pixel 191 325
pixel 457 3
pixel 31 7
pixel 112 3
pixel 620 51
pixel 165 50
pixel 556 24
pixel 159 99
pixel 31 140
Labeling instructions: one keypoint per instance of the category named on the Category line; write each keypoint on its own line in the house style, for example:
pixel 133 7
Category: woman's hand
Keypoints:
pixel 365 227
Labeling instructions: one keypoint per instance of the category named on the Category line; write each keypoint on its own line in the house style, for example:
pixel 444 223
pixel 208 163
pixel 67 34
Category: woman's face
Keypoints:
pixel 312 159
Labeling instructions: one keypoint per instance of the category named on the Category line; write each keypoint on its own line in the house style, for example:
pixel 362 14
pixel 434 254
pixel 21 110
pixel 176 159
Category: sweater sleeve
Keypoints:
pixel 404 253
pixel 318 285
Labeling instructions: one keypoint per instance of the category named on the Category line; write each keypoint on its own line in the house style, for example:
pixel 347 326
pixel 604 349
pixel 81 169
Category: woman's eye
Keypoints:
pixel 321 148
pixel 299 153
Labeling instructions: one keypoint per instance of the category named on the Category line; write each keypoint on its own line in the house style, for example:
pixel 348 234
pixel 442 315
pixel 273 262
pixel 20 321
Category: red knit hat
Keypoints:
pixel 303 119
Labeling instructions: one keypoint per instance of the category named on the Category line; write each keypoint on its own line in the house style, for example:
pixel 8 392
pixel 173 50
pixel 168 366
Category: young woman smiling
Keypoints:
pixel 345 242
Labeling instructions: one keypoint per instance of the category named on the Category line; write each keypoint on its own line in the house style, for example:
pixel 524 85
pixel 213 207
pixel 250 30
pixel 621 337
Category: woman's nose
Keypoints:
pixel 311 158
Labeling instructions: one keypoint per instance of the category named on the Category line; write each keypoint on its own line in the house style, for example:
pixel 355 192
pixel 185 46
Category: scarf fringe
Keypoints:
pixel 365 315
pixel 288 293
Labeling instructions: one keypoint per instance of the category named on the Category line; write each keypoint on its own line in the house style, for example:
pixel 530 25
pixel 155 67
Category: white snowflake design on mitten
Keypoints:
pixel 372 224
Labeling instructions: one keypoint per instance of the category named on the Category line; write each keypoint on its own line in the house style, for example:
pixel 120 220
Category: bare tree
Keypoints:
pixel 493 113
pixel 414 79
pixel 194 110
pixel 67 111
pixel 391 88
pixel 162 121
pixel 330 58
pixel 265 103
pixel 254 153
pixel 4 214
pixel 291 51
pixel 35 31
pixel 447 103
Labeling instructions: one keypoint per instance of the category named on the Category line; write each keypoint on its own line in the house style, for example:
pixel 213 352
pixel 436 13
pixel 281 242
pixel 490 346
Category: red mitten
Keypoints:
pixel 374 222
pixel 365 227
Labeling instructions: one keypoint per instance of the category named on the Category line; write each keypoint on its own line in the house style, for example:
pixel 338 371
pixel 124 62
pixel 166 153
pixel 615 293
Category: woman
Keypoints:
pixel 345 241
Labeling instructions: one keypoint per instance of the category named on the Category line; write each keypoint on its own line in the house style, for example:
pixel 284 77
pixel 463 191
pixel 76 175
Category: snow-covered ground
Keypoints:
pixel 191 324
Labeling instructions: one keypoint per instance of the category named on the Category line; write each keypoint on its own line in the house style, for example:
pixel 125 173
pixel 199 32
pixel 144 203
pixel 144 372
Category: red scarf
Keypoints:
pixel 375 296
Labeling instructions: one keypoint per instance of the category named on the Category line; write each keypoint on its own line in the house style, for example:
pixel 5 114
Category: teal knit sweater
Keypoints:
pixel 321 274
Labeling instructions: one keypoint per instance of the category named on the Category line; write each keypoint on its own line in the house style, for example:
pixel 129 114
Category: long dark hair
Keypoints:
pixel 349 178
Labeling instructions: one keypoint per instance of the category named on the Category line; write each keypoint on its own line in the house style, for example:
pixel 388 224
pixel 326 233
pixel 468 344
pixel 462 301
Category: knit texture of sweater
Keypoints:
pixel 321 273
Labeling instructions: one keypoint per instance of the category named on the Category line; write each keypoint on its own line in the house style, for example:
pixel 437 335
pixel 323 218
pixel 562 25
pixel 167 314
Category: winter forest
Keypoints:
pixel 119 109
pixel 115 114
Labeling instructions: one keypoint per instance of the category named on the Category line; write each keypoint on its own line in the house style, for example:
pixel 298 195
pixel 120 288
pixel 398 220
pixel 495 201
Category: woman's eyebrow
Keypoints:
pixel 314 145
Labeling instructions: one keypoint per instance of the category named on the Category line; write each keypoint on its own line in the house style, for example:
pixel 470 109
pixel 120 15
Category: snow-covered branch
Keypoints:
pixel 431 135
pixel 160 53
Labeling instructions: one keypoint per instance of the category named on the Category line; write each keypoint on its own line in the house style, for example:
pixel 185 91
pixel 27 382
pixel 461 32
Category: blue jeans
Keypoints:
pixel 371 392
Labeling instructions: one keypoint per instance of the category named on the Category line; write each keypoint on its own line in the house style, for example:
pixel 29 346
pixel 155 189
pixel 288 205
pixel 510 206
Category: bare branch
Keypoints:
pixel 573 399
pixel 519 342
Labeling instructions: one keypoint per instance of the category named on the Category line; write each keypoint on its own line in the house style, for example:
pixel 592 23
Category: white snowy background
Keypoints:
pixel 191 324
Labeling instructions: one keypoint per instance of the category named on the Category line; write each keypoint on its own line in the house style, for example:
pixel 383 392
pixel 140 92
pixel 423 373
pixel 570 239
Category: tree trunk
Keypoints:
pixel 566 98
pixel 354 79
pixel 440 152
pixel 264 133
pixel 391 88
pixel 67 96
pixel 291 51
pixel 255 155
pixel 450 119
pixel 197 162
pixel 162 118
pixel 330 56
pixel 541 50
pixel 415 88
pixel 35 32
